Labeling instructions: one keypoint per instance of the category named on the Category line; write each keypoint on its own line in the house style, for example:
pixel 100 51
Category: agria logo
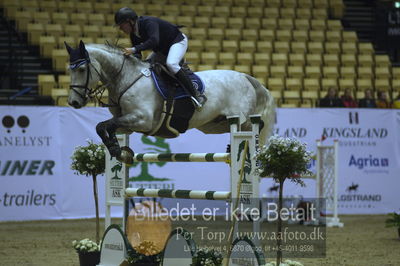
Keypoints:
pixel 370 161
pixel 10 123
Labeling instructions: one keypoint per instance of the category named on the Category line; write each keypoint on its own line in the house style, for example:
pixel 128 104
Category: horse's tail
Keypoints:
pixel 266 107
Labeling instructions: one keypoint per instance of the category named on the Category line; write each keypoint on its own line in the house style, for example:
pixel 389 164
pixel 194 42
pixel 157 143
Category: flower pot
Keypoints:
pixel 89 259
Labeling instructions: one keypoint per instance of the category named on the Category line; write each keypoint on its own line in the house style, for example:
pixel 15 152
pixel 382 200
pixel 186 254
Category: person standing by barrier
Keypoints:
pixel 348 100
pixel 382 101
pixel 368 101
pixel 331 99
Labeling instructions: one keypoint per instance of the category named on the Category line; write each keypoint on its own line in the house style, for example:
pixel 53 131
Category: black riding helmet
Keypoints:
pixel 124 14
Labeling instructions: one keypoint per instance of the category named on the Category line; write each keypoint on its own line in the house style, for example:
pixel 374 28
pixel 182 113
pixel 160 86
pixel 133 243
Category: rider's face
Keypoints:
pixel 126 27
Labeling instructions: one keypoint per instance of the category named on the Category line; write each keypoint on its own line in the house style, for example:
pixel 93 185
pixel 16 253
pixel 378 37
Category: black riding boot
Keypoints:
pixel 197 98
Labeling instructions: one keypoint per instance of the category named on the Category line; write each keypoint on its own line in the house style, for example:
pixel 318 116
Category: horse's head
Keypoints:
pixel 84 75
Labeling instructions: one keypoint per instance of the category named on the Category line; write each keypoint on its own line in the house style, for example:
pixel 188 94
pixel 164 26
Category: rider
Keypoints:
pixel 164 39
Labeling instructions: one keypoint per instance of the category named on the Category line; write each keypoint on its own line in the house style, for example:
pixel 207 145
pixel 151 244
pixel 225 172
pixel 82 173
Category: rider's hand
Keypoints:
pixel 129 51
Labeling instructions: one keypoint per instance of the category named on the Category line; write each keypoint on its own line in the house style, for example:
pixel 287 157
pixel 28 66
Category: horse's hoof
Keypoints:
pixel 126 155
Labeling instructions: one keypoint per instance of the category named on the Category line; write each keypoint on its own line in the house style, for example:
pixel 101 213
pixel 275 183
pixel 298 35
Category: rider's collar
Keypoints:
pixel 77 63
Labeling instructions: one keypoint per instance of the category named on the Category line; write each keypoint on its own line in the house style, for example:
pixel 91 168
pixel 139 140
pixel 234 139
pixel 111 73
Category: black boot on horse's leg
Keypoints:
pixel 197 98
pixel 106 131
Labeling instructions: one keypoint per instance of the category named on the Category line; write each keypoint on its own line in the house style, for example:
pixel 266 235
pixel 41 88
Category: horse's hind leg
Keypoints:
pixel 106 131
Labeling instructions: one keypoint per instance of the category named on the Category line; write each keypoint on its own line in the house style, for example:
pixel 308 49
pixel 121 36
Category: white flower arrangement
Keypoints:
pixel 85 246
pixel 89 160
pixel 285 263
pixel 283 158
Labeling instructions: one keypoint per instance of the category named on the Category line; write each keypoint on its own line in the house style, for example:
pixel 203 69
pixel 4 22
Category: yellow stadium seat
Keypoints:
pixel 87 39
pixel 311 84
pixel 314 59
pixel 247 46
pixel 302 24
pixel 273 3
pixel 47 44
pixel 382 60
pixel 282 47
pixel 334 24
pixel 287 12
pixel 233 34
pixel 196 45
pixel 316 35
pixel 85 7
pixel 300 35
pixel 276 84
pixel 262 59
pixel 242 68
pixel 396 84
pixel 269 23
pixel 277 71
pixel 46 83
pixel 365 60
pixel 73 30
pixel 331 59
pixel 285 23
pixel 97 19
pixel 382 84
pixel 349 36
pixel 79 19
pixel 295 71
pixel 365 72
pixel 189 10
pixel 271 12
pixel 255 12
pixel 305 3
pixel 212 46
pixel 233 23
pixel 192 58
pixel 10 8
pixel 312 71
pixel 267 35
pixel 230 46
pixel 49 6
pixel 224 67
pixel 35 30
pixel 92 31
pixel 279 59
pixel 222 11
pixel 349 48
pixel 227 58
pixel 332 48
pixel 108 32
pixel 298 47
pixel 245 58
pixel 320 13
pixel 318 24
pixel 276 94
pixel 303 13
pixel 348 72
pixel 204 67
pixel 364 83
pixel 260 71
pixel 103 7
pixel 293 84
pixel 252 23
pixel 310 95
pixel 219 22
pixel 202 22
pixel 154 10
pixel 250 35
pixel 283 35
pixel 139 8
pixel 347 84
pixel 382 72
pixel 333 36
pixel 41 17
pixel 289 3
pixel 175 10
pixel 327 83
pixel 365 48
pixel 315 47
pixel 215 34
pixel 59 59
pixel 61 18
pixel 297 59
pixel 185 21
pixel 330 72
pixel 68 39
pixel 265 47
pixel 22 19
pixel 348 59
pixel 396 72
pixel 204 10
pixel 198 33
pixel 66 6
pixel 239 11
pixel 60 96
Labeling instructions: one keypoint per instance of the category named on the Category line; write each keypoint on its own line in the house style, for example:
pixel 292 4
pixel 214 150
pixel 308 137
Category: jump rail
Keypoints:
pixel 183 194
pixel 181 157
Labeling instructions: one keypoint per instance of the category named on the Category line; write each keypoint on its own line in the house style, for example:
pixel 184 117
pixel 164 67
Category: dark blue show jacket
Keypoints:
pixel 155 34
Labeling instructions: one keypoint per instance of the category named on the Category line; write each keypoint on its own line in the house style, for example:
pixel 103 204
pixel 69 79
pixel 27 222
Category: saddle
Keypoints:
pixel 178 108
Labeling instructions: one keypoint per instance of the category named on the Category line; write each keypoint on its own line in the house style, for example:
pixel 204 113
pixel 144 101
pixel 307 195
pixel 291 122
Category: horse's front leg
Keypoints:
pixel 106 131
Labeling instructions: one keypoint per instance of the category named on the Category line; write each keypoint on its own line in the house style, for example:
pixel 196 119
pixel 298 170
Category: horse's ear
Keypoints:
pixel 69 48
pixel 82 46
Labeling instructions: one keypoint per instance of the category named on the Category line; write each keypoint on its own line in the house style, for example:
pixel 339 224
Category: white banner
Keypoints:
pixel 36 144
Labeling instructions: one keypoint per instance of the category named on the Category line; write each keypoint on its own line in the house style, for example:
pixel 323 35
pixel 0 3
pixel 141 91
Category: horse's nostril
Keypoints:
pixel 75 104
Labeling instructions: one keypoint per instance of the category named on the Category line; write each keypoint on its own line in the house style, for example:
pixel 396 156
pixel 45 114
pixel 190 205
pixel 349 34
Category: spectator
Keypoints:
pixel 382 101
pixel 331 99
pixel 368 101
pixel 348 100
pixel 396 102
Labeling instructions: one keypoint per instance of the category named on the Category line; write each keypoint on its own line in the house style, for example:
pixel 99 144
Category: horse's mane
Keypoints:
pixel 114 48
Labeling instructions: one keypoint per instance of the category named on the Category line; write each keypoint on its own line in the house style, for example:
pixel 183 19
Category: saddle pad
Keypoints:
pixel 180 92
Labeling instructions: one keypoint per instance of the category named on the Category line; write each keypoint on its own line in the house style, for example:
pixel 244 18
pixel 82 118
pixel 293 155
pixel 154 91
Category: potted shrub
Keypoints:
pixel 207 257
pixel 88 251
pixel 394 221
pixel 281 159
pixel 90 161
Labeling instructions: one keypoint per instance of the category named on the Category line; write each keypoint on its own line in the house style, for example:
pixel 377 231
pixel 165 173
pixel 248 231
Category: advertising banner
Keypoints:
pixel 36 145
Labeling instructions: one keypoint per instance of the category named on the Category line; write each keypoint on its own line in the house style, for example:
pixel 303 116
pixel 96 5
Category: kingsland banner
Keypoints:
pixel 36 144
